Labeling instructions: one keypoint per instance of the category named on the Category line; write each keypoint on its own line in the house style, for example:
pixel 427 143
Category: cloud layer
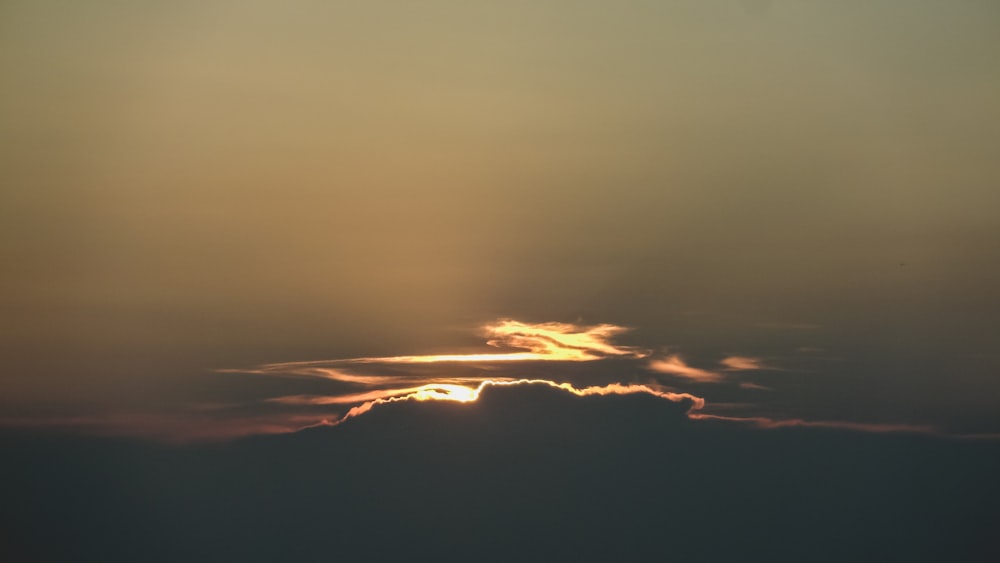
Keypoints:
pixel 581 360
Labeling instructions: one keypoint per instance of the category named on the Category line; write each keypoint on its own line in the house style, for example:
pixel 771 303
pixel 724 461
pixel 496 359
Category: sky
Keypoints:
pixel 226 219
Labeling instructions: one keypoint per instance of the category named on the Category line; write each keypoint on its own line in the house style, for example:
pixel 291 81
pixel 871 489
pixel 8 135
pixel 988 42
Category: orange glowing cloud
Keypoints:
pixel 561 340
pixel 536 342
pixel 674 365
pixel 543 341
pixel 742 363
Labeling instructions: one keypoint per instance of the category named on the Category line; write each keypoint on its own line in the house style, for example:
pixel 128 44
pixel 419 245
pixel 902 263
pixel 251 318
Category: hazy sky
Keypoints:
pixel 195 186
pixel 568 280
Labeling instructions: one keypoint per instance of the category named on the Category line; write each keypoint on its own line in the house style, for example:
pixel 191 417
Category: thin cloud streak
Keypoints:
pixel 317 370
pixel 743 363
pixel 173 427
pixel 749 385
pixel 765 422
pixel 543 341
pixel 552 342
pixel 439 358
pixel 674 365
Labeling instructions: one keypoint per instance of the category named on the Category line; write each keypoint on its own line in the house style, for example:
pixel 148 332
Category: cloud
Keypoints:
pixel 542 341
pixel 563 342
pixel 765 422
pixel 742 363
pixel 318 369
pixel 178 427
pixel 563 356
pixel 350 387
pixel 535 342
pixel 674 365
pixel 464 394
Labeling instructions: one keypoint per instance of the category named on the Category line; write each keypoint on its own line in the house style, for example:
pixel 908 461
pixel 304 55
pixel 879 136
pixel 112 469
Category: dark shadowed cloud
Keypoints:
pixel 526 473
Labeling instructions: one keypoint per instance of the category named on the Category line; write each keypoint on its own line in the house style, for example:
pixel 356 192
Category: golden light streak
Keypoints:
pixel 431 359
pixel 563 341
pixel 553 342
pixel 429 391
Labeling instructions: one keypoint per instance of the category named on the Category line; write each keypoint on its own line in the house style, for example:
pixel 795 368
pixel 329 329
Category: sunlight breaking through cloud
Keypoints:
pixel 461 394
pixel 541 342
pixel 582 360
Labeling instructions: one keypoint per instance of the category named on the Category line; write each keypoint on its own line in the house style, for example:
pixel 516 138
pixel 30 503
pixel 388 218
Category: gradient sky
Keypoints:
pixel 810 188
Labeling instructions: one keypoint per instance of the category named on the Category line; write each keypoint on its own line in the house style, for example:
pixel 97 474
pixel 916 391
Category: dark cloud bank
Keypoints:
pixel 527 473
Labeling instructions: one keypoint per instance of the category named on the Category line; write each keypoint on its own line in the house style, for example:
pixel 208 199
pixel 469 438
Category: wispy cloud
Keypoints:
pixel 542 341
pixel 533 342
pixel 675 365
pixel 318 369
pixel 742 363
pixel 177 427
pixel 749 385
pixel 765 422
